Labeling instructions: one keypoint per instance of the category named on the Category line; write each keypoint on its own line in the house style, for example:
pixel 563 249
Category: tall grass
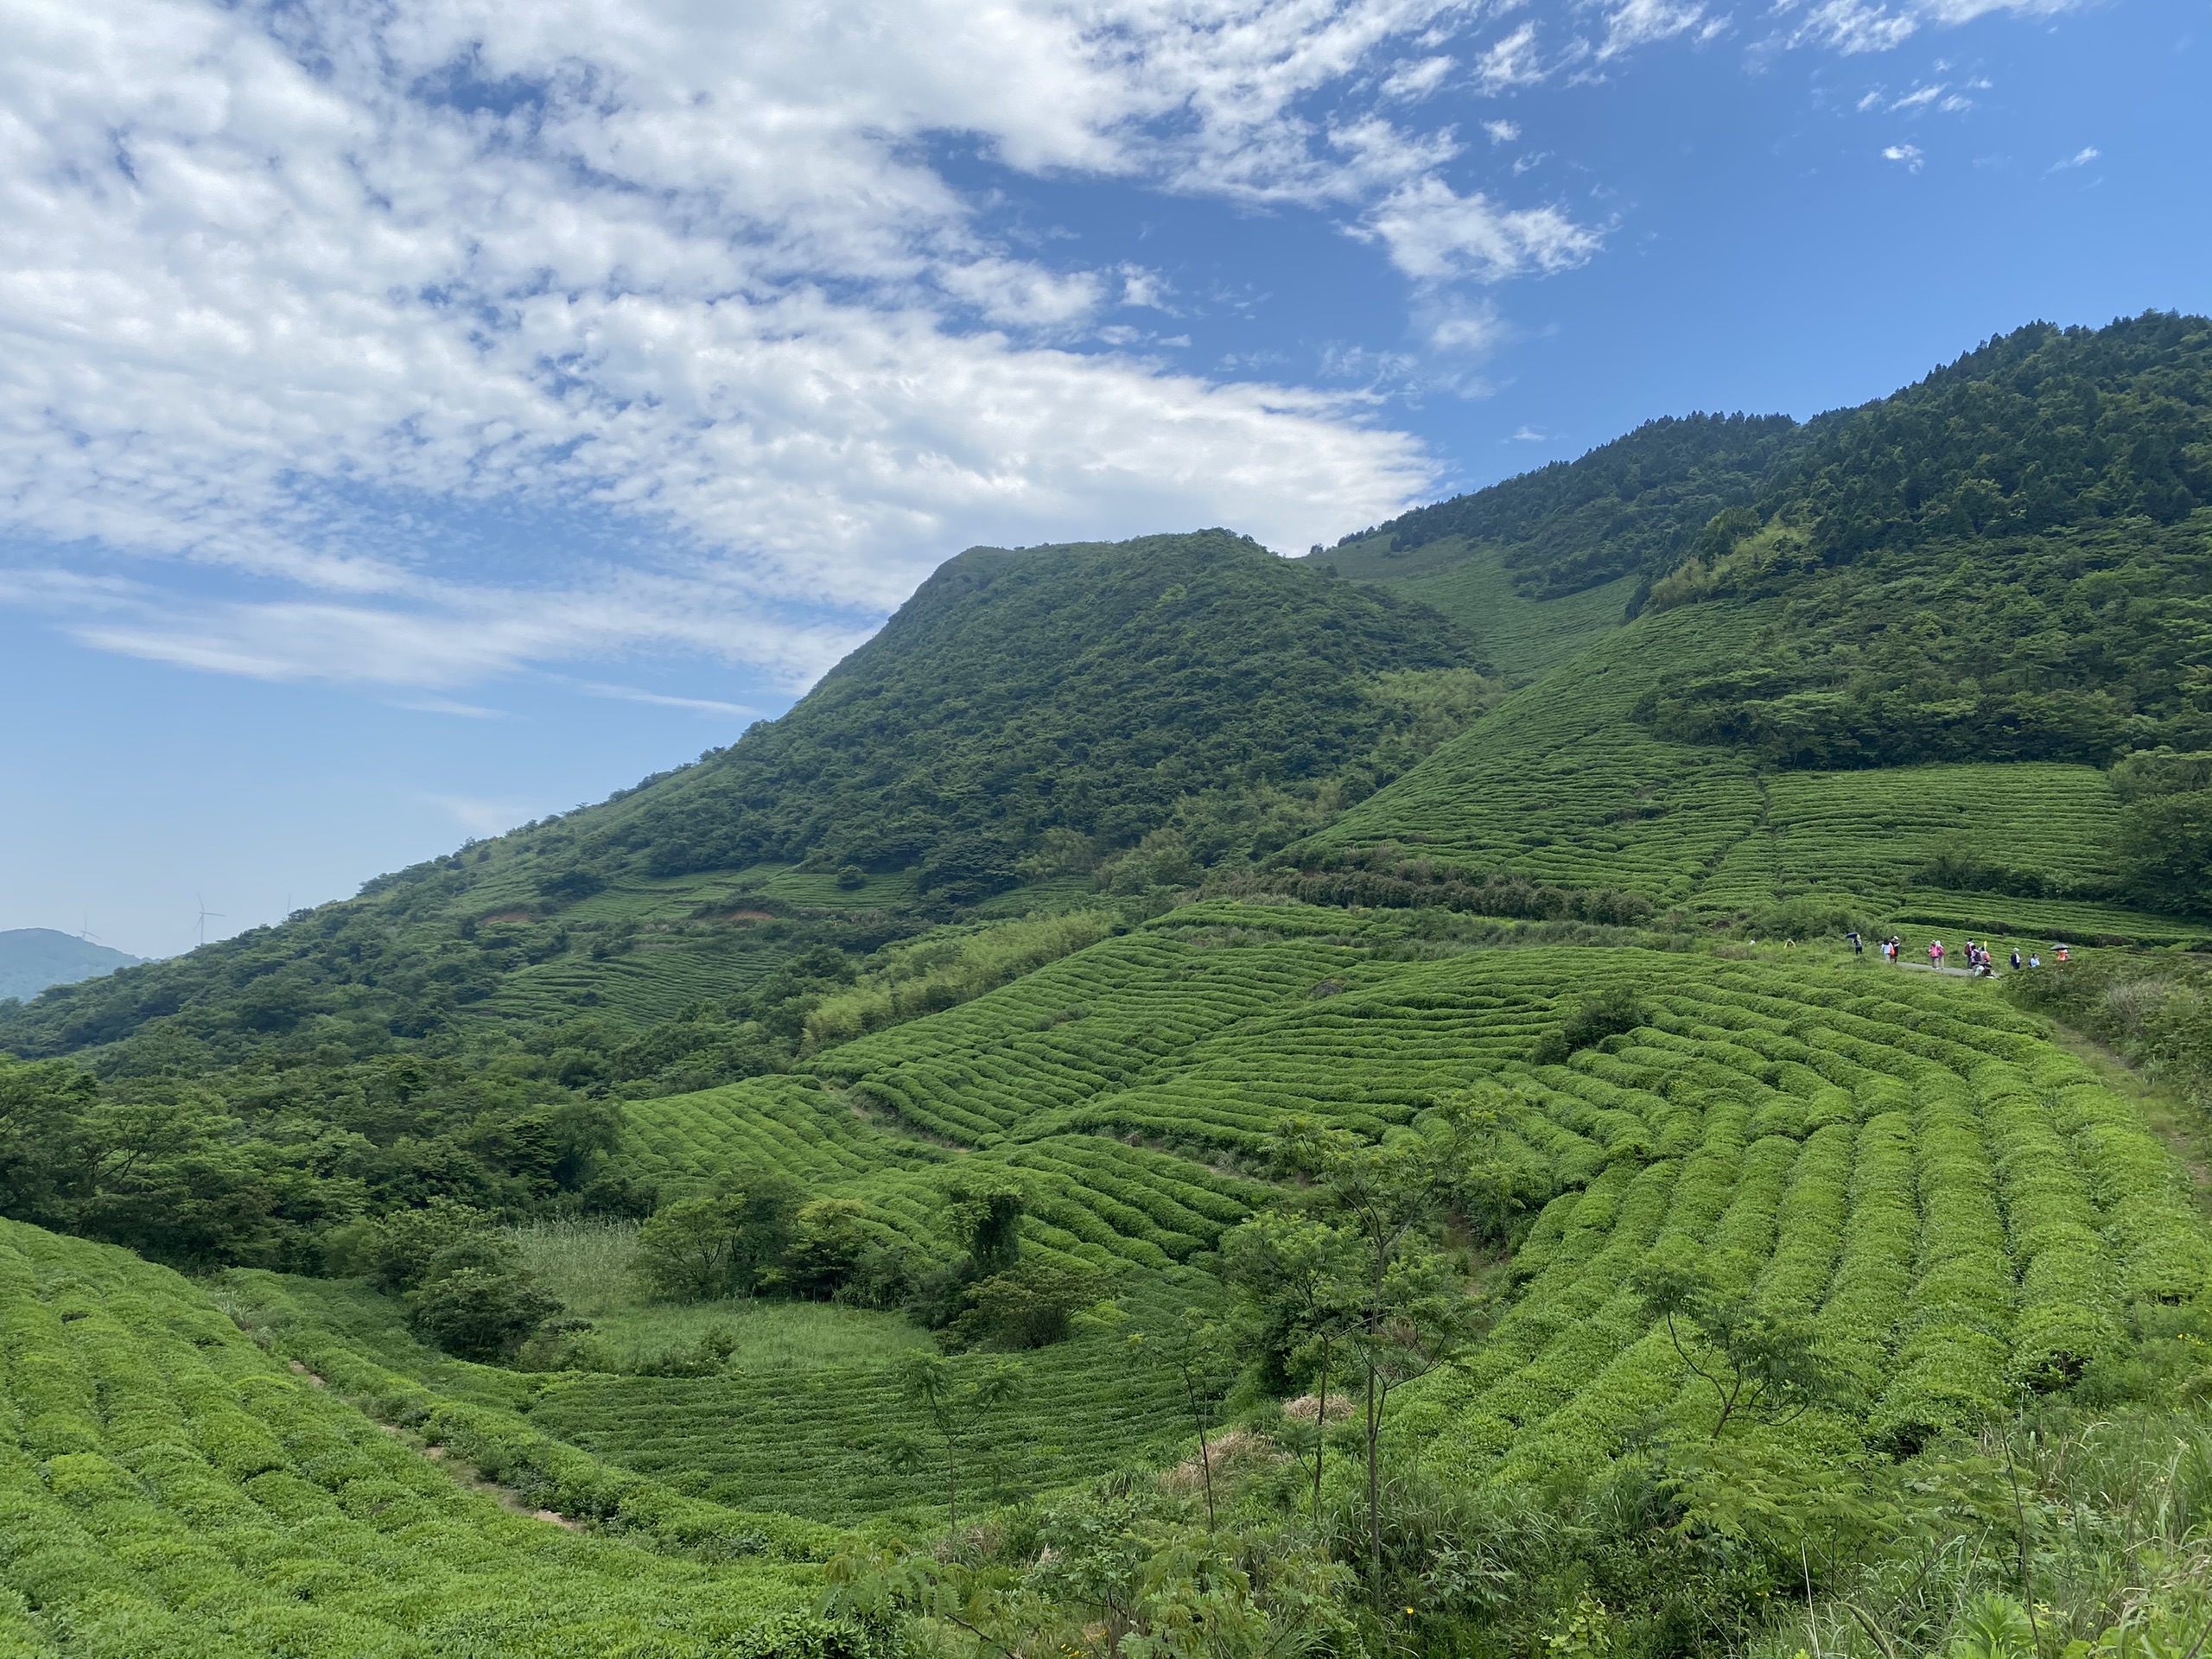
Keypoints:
pixel 2108 1531
pixel 765 1337
pixel 586 1262
pixel 941 973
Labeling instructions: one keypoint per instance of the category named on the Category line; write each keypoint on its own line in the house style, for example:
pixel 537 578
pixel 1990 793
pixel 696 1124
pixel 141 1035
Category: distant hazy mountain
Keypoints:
pixel 32 959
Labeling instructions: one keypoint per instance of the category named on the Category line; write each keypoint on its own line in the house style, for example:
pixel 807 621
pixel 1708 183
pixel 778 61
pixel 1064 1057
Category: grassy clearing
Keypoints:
pixel 768 1338
pixel 586 1262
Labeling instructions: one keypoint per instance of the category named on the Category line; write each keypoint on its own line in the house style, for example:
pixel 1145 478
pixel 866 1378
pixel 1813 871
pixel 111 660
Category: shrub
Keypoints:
pixel 721 1243
pixel 1029 1305
pixel 1598 1018
pixel 481 1313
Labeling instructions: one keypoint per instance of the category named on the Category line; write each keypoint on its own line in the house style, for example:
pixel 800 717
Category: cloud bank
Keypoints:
pixel 287 291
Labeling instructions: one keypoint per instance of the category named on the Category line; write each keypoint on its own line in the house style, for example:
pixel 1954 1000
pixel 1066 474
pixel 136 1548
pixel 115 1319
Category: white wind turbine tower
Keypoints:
pixel 204 914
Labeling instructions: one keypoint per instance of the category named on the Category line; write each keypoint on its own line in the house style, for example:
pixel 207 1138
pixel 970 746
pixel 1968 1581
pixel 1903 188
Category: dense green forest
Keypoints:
pixel 1183 1104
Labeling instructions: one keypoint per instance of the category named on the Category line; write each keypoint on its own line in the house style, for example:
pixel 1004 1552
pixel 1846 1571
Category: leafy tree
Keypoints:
pixel 1201 1354
pixel 407 1248
pixel 956 1409
pixel 1028 1306
pixel 483 1313
pixel 1406 1303
pixel 45 1158
pixel 828 1243
pixel 2165 846
pixel 987 1222
pixel 1607 1014
pixel 1295 1273
pixel 1753 1361
pixel 720 1243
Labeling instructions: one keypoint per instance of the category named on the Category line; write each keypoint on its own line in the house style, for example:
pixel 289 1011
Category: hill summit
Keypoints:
pixel 32 959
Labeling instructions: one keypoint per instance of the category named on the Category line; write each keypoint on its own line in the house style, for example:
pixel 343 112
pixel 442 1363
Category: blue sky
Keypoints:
pixel 423 417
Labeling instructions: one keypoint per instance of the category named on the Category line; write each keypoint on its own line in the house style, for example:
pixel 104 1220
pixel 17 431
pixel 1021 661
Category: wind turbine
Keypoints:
pixel 205 913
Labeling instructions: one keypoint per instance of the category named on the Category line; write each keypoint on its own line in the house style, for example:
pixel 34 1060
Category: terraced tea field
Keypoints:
pixel 1963 1210
pixel 1957 1208
pixel 1522 637
pixel 1560 784
pixel 1869 833
pixel 655 980
pixel 167 1489
pixel 840 1445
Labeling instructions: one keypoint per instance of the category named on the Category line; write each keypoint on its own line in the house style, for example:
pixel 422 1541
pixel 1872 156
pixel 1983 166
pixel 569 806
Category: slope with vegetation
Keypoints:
pixel 32 959
pixel 1184 1104
pixel 2005 563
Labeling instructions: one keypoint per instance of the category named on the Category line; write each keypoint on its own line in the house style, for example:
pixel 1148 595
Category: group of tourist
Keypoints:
pixel 1981 961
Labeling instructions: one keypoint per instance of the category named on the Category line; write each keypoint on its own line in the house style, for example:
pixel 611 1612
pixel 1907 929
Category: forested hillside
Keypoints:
pixel 1185 1104
pixel 32 959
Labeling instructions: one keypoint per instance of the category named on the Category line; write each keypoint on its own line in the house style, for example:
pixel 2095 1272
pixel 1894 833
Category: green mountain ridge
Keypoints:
pixel 32 959
pixel 1112 891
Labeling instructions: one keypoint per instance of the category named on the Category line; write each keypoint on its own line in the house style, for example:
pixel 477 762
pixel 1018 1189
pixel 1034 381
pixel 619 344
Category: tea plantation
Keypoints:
pixel 167 1488
pixel 1173 890
pixel 1563 785
pixel 1963 1211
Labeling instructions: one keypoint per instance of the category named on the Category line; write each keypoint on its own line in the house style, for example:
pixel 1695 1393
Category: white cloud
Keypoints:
pixel 1908 154
pixel 1634 23
pixel 1858 26
pixel 481 818
pixel 288 286
pixel 1434 235
pixel 1410 82
pixel 1502 132
pixel 2080 157
pixel 268 277
pixel 1472 330
pixel 660 700
pixel 1509 61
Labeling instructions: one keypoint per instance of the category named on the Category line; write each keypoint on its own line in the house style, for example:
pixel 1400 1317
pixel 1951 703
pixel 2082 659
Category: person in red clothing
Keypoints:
pixel 1935 953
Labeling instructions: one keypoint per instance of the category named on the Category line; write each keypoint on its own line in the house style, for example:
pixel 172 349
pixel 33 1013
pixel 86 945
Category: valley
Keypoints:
pixel 1344 1104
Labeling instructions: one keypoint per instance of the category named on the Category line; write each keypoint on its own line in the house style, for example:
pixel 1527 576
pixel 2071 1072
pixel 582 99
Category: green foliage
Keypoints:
pixel 1114 1575
pixel 948 969
pixel 2073 644
pixel 827 1246
pixel 483 1313
pixel 407 1248
pixel 1633 505
pixel 1763 1364
pixel 1028 1304
pixel 720 1243
pixel 165 1169
pixel 986 1221
pixel 1085 689
pixel 2036 429
pixel 1200 1353
pixel 1611 1014
pixel 957 1408
pixel 169 1488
